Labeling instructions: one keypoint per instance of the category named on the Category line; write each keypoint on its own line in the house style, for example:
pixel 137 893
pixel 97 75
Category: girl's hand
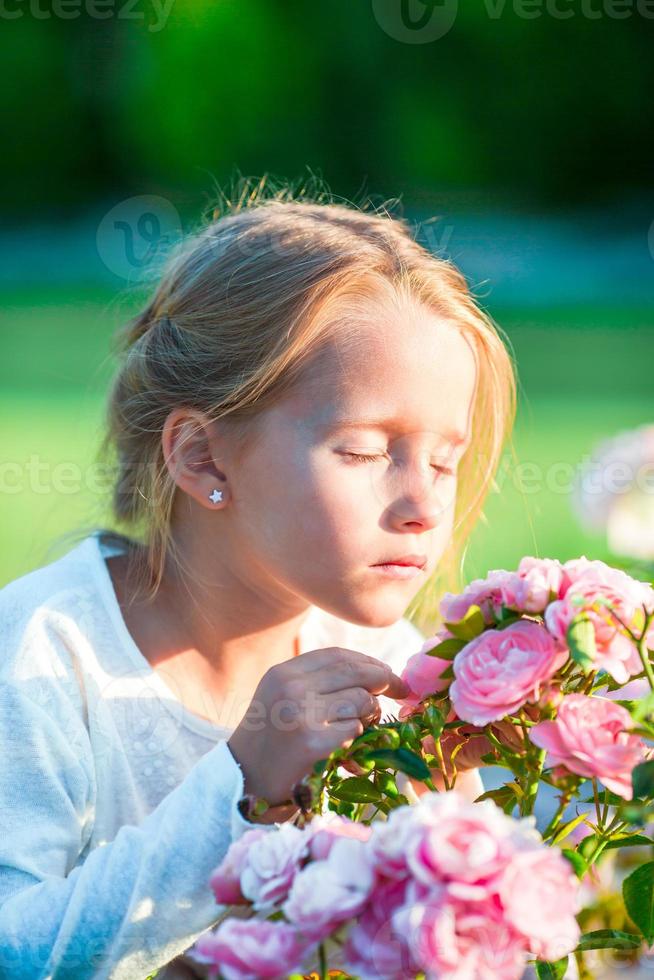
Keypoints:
pixel 302 710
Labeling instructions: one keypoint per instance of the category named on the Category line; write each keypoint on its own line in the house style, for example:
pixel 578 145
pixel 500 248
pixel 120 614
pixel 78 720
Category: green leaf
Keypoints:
pixel 608 939
pixel 643 707
pixel 502 625
pixel 470 626
pixel 578 862
pixel 358 789
pixel 551 971
pixel 447 650
pixel 635 812
pixel 403 759
pixel 605 795
pixel 581 641
pixel 642 780
pixel 500 795
pixel 629 840
pixel 372 735
pixel 644 729
pixel 504 797
pixel 638 895
pixel 568 827
pixel 410 732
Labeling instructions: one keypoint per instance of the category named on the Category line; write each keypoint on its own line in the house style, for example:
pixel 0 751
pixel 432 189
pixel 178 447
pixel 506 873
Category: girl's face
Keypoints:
pixel 359 466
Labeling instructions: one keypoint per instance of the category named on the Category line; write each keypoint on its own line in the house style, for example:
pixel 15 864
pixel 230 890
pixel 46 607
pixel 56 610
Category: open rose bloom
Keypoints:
pixel 435 889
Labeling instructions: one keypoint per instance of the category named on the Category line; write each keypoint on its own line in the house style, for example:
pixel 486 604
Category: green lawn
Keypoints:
pixel 584 374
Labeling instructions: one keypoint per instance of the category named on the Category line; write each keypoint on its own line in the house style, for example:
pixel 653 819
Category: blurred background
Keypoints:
pixel 517 134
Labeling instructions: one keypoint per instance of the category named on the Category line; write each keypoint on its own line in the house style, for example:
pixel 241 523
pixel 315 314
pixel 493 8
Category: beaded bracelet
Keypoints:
pixel 250 805
pixel 254 806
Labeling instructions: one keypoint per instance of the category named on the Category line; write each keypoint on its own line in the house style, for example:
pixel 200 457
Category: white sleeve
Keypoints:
pixel 135 902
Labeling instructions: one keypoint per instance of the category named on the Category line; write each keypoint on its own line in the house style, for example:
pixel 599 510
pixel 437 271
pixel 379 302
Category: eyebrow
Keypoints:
pixel 454 436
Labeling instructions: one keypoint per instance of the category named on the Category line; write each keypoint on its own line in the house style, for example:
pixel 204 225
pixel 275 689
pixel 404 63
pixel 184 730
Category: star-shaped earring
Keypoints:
pixel 215 496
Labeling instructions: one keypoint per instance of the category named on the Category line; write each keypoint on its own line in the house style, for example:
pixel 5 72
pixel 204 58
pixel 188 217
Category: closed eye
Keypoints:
pixel 363 458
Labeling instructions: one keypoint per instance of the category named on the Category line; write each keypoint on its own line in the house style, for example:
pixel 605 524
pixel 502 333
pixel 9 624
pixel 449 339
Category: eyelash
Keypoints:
pixel 361 457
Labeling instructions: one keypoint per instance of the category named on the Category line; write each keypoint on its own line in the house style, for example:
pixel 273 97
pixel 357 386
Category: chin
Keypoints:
pixel 377 611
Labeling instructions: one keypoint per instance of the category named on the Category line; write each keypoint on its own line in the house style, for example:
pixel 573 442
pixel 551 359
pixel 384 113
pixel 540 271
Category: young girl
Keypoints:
pixel 306 421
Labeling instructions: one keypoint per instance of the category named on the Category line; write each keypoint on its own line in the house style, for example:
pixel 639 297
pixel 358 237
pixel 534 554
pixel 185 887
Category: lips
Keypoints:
pixel 419 561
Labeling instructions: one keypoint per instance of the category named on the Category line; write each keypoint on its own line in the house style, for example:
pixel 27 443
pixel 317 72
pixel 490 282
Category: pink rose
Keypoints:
pixel 325 830
pixel 463 844
pixel 500 670
pixel 536 583
pixel 589 738
pixel 422 675
pixel 636 592
pixel 226 879
pixel 251 949
pixel 452 940
pixel 483 592
pixel 529 590
pixel 587 587
pixel 326 892
pixel 373 948
pixel 271 864
pixel 540 896
pixel 390 840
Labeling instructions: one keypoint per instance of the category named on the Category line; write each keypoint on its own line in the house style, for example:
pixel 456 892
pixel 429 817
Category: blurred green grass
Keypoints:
pixel 584 374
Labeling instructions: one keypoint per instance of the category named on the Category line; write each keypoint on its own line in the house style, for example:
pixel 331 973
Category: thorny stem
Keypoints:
pixel 524 724
pixel 556 819
pixel 588 686
pixel 439 755
pixel 643 652
pixel 600 822
pixel 605 838
pixel 533 779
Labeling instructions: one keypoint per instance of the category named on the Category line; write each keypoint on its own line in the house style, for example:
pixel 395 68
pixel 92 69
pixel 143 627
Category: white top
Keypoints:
pixel 116 801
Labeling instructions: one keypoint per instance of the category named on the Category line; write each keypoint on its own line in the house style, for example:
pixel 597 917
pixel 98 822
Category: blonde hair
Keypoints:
pixel 237 315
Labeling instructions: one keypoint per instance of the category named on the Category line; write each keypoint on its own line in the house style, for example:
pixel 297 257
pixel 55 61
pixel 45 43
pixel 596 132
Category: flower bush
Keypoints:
pixel 526 673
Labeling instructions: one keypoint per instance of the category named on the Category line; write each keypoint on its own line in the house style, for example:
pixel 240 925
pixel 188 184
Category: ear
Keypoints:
pixel 190 446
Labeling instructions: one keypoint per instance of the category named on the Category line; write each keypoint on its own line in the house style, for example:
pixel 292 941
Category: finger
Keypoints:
pixel 342 733
pixel 349 730
pixel 332 656
pixel 354 702
pixel 376 677
pixel 395 687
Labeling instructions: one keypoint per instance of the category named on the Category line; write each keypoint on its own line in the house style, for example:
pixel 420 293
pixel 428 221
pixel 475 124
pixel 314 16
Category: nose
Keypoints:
pixel 421 495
